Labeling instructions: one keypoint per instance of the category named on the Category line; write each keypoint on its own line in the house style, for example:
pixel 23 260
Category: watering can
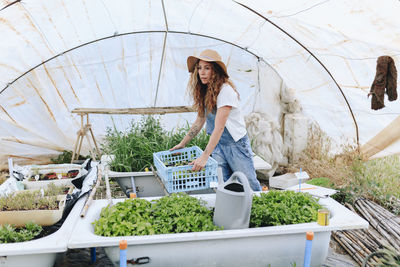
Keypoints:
pixel 233 202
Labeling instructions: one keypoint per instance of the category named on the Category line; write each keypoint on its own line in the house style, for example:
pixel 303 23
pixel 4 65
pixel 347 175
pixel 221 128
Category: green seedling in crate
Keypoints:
pixel 176 164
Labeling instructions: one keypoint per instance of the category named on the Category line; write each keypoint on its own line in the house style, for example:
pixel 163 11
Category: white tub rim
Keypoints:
pixel 54 243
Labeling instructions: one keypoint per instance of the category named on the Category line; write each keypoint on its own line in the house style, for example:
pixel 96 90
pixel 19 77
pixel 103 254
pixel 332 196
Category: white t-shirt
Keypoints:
pixel 235 123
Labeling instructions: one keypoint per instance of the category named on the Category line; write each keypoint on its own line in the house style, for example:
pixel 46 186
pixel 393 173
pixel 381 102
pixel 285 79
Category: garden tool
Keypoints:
pixel 233 201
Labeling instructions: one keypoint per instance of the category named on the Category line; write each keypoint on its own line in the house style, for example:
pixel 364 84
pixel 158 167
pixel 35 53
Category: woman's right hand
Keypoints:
pixel 178 146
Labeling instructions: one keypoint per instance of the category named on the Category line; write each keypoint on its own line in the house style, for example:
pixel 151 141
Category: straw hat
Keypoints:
pixel 209 56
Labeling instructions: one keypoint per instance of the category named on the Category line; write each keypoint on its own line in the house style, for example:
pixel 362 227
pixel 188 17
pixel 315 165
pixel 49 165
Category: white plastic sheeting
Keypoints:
pixel 59 55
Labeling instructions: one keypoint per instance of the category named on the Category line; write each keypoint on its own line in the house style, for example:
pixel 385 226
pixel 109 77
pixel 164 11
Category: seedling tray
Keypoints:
pixel 59 174
pixel 182 178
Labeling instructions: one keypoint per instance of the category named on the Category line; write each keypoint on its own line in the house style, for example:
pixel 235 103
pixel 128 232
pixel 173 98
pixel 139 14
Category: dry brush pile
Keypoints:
pixel 351 174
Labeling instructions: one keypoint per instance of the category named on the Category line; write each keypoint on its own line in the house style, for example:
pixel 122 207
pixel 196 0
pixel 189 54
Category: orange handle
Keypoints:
pixel 123 244
pixel 310 235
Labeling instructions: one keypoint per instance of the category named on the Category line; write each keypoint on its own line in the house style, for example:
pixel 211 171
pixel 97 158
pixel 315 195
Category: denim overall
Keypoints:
pixel 233 156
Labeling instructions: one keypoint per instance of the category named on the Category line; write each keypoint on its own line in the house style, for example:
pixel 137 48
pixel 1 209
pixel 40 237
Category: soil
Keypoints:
pixel 116 192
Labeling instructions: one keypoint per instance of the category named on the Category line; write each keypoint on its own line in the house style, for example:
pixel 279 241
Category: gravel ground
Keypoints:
pixel 81 258
pixel 338 257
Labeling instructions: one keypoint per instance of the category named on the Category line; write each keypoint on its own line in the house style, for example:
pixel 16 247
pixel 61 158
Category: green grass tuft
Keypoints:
pixel 321 181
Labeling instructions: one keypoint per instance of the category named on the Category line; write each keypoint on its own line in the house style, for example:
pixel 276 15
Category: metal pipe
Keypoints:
pixel 312 54
pixel 10 4
pixel 122 34
pixel 163 52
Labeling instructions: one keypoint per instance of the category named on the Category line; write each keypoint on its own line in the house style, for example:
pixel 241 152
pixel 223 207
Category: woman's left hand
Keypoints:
pixel 199 163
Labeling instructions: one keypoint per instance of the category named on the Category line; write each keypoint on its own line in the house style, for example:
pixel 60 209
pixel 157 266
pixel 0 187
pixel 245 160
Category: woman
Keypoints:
pixel 217 103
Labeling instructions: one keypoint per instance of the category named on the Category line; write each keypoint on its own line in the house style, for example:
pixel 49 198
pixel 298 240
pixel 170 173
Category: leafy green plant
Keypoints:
pixel 178 213
pixel 134 148
pixel 181 213
pixel 283 207
pixel 9 234
pixel 130 217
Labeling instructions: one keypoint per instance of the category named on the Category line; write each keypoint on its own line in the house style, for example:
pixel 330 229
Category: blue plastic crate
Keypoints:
pixel 182 178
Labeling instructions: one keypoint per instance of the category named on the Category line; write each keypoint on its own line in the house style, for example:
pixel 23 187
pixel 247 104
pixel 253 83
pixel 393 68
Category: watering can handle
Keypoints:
pixel 246 186
pixel 243 179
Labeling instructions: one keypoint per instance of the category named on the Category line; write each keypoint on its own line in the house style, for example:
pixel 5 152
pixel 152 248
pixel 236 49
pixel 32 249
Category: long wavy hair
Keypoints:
pixel 205 95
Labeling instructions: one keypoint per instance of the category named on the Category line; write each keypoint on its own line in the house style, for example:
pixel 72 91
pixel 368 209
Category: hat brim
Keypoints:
pixel 192 60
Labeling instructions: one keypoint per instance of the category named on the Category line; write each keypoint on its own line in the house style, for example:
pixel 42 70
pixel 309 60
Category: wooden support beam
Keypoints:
pixel 83 132
pixel 150 110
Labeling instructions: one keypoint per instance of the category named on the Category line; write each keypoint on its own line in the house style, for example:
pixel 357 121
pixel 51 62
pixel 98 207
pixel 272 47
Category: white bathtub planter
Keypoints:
pixel 148 186
pixel 41 206
pixel 144 182
pixel 43 251
pixel 44 217
pixel 275 245
pixel 60 177
pixel 59 174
